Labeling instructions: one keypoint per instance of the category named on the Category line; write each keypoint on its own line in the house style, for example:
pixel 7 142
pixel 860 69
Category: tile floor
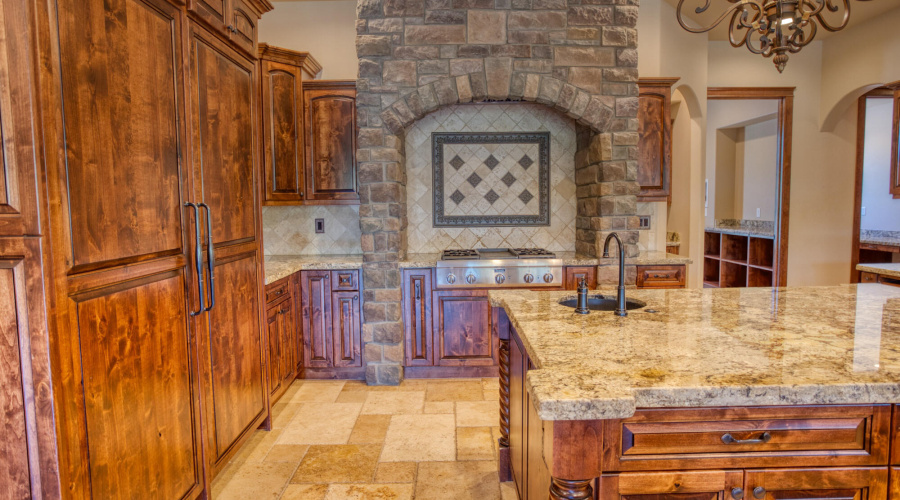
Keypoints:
pixel 336 440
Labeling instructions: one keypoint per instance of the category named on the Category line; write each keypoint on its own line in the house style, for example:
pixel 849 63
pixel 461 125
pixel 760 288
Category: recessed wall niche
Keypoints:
pixel 558 235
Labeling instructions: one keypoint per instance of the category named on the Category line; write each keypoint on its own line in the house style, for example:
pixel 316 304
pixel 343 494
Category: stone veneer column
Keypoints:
pixel 416 56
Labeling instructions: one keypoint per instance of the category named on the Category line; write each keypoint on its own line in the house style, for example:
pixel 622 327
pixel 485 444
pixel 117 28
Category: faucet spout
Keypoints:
pixel 620 290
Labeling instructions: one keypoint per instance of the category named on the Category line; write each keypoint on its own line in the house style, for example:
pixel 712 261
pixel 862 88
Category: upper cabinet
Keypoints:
pixel 236 20
pixel 655 138
pixel 895 148
pixel 329 110
pixel 281 73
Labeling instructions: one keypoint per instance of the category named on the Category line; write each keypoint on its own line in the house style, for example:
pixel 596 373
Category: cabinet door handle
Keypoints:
pixel 418 291
pixel 737 493
pixel 759 492
pixel 210 258
pixel 727 438
pixel 355 297
pixel 198 259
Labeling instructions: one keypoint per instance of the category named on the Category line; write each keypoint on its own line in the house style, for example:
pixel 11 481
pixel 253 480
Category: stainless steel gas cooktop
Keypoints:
pixel 499 267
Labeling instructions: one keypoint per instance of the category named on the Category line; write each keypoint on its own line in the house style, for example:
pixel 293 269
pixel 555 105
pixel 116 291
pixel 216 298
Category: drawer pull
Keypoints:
pixel 759 492
pixel 737 493
pixel 727 438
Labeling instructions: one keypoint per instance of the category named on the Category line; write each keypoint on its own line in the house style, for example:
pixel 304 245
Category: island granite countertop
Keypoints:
pixel 892 270
pixel 710 347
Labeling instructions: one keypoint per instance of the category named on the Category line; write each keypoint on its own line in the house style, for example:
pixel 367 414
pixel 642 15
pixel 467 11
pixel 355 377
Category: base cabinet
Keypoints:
pixel 462 329
pixel 797 484
pixel 694 485
pixel 281 330
pixel 330 316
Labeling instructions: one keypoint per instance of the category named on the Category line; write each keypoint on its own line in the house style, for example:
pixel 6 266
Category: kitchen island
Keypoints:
pixel 783 393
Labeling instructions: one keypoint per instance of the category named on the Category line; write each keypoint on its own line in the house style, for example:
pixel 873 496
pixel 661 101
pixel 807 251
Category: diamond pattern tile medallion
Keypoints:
pixel 526 162
pixel 491 162
pixel 526 196
pixel 474 179
pixel 491 196
pixel 457 197
pixel 509 179
pixel 457 162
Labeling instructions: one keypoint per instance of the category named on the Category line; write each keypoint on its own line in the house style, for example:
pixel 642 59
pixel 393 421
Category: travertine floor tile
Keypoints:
pixel 352 396
pixel 508 491
pixel 321 423
pixel 474 443
pixel 414 438
pixel 394 403
pixel 395 472
pixel 439 407
pixel 490 384
pixel 257 446
pixel 349 463
pixel 492 395
pixel 477 413
pixel 305 492
pixel 287 453
pixel 454 390
pixel 282 413
pixel 317 391
pixel 466 481
pixel 370 429
pixel 413 385
pixel 257 481
pixel 370 492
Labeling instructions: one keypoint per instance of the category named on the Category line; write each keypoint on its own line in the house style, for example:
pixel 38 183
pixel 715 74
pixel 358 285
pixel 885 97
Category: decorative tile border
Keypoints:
pixel 441 200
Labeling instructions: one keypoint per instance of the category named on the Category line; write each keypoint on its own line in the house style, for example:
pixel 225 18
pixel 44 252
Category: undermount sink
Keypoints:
pixel 603 303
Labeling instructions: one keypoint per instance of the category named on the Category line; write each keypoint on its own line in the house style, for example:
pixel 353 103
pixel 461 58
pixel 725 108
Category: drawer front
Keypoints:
pixel 278 290
pixel 660 276
pixel 865 277
pixel 749 437
pixel 345 280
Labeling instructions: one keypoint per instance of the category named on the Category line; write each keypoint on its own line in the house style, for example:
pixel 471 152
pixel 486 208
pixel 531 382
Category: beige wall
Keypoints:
pixel 326 29
pixel 757 171
pixel 882 210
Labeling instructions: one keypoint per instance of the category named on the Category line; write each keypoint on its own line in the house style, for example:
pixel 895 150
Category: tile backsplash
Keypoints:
pixel 291 230
pixel 559 236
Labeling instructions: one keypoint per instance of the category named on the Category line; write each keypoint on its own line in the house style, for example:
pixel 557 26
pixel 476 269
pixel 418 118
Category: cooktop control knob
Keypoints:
pixel 470 279
pixel 528 278
pixel 548 278
pixel 451 278
pixel 499 279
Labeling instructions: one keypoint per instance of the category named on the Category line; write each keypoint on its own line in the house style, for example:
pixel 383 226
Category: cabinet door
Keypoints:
pixel 575 274
pixel 283 154
pixel 215 13
pixel 315 295
pixel 462 329
pixel 273 332
pixel 346 329
pixel 282 365
pixel 416 295
pixel 654 138
pixel 330 128
pixel 223 128
pixel 796 484
pixel 243 26
pixel 895 146
pixel 706 485
pixel 127 400
pixel 518 362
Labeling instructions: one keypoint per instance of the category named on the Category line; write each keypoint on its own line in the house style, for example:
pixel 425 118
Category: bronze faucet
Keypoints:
pixel 620 290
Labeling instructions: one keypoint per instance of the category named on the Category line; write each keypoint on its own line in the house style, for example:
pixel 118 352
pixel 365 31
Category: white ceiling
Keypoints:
pixel 860 11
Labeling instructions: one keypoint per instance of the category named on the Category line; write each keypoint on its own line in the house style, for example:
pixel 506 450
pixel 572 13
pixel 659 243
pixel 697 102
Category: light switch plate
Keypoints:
pixel 320 225
pixel 644 222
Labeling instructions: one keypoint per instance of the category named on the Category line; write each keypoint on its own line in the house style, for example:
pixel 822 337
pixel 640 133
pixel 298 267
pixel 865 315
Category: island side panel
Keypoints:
pixel 500 324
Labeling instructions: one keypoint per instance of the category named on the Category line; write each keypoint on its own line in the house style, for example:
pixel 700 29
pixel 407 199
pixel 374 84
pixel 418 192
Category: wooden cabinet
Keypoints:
pixel 283 341
pixel 694 485
pixel 816 484
pixel 574 274
pixel 329 110
pixel 737 261
pixel 233 385
pixel 661 276
pixel 281 73
pixel 234 20
pixel 331 325
pixel 462 329
pixel 894 183
pixel 416 296
pixel 655 138
pixel 866 277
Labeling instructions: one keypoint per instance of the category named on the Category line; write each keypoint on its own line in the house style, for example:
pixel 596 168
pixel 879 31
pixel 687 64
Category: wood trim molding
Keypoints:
pixel 329 84
pixel 658 81
pixel 303 60
pixel 785 96
pixel 749 92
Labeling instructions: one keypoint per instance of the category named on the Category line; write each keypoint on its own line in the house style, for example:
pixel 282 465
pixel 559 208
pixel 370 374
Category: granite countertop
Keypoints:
pixel 891 242
pixel 281 266
pixel 892 270
pixel 568 258
pixel 759 233
pixel 710 347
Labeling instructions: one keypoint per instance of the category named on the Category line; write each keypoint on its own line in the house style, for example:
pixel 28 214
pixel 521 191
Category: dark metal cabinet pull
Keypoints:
pixel 210 258
pixel 418 291
pixel 727 438
pixel 759 492
pixel 737 493
pixel 198 259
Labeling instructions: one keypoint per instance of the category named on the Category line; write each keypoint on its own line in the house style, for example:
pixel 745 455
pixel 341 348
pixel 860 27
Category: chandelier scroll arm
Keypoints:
pixel 681 20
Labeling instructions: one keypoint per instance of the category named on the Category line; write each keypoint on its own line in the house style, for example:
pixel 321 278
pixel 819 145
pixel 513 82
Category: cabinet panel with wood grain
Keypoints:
pixel 329 109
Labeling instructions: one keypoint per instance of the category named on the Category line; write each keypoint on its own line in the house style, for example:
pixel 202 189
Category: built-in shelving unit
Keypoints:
pixel 736 261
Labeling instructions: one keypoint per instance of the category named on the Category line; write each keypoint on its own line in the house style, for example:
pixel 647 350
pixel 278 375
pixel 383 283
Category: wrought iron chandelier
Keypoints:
pixel 772 28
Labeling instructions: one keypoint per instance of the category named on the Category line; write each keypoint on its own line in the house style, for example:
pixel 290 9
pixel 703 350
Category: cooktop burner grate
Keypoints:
pixel 459 254
pixel 497 253
pixel 533 252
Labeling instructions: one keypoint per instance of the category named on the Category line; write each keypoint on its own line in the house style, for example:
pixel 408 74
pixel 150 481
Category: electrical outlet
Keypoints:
pixel 320 225
pixel 863 211
pixel 757 213
pixel 644 222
